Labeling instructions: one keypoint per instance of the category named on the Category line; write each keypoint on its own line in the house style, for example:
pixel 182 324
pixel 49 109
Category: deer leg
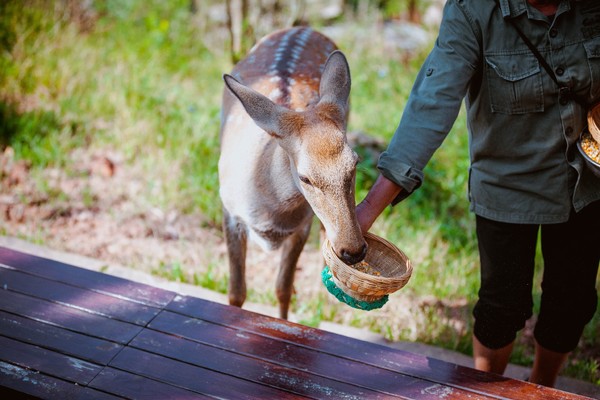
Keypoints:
pixel 236 240
pixel 290 252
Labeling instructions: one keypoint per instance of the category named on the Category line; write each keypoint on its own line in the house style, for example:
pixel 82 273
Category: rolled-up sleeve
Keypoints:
pixel 434 102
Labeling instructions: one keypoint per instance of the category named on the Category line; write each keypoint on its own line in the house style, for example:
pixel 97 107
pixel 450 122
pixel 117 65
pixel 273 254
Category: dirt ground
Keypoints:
pixel 98 209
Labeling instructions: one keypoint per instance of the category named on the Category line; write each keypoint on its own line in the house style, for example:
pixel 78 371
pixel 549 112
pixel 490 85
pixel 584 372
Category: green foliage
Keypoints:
pixel 212 279
pixel 311 311
pixel 172 272
pixel 141 81
pixel 35 135
pixel 584 369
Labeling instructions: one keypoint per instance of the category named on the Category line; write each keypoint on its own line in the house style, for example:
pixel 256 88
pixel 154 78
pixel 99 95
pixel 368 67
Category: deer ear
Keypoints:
pixel 335 81
pixel 263 111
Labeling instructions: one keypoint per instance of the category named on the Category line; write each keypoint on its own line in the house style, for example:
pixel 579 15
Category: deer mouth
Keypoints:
pixel 351 258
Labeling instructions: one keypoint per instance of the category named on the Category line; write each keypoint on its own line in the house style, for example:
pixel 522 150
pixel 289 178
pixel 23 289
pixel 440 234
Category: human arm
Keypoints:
pixel 429 115
pixel 383 192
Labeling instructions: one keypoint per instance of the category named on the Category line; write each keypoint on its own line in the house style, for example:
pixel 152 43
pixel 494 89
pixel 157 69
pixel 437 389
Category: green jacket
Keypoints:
pixel 525 167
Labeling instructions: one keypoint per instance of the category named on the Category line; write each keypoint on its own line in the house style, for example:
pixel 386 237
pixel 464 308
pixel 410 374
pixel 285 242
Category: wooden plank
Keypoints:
pixel 54 338
pixel 19 383
pixel 276 355
pixel 48 362
pixel 87 279
pixel 124 384
pixel 83 299
pixel 192 378
pixel 52 334
pixel 67 317
pixel 295 380
pixel 421 367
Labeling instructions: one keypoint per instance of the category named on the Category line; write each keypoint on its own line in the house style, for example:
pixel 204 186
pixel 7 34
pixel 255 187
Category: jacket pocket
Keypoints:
pixel 592 49
pixel 515 83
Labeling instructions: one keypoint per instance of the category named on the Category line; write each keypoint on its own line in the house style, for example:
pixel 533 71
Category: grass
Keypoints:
pixel 210 279
pixel 142 81
pixel 154 98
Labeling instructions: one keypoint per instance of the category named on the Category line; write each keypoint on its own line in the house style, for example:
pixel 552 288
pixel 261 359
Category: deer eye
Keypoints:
pixel 304 179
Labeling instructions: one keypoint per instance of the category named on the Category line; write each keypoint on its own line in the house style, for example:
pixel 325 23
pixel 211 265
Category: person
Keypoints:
pixel 525 173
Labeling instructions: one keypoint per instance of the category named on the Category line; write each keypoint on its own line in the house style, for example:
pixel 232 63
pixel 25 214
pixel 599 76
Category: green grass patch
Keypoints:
pixel 211 279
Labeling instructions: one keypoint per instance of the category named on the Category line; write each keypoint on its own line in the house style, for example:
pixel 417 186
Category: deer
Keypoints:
pixel 284 156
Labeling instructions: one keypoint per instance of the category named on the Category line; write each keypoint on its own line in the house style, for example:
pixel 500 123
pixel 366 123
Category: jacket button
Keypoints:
pixel 553 32
pixel 560 71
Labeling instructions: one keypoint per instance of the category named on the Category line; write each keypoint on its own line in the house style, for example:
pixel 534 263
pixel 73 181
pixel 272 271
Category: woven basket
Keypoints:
pixel 594 122
pixel 382 256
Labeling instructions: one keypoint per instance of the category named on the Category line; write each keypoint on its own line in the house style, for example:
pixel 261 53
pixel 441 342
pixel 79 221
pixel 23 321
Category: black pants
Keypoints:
pixel 571 253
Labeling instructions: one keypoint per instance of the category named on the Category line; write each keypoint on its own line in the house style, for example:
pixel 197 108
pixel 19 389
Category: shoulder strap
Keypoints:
pixel 535 52
pixel 563 90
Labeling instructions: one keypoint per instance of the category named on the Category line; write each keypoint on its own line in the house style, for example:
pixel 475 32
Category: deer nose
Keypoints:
pixel 353 258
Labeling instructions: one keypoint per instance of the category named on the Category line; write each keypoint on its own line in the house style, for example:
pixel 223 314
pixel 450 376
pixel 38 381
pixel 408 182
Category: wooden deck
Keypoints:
pixel 71 333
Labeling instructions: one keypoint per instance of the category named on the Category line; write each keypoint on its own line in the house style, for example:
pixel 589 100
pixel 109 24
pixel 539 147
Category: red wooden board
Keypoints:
pixel 67 317
pixel 295 379
pixel 191 378
pixel 409 364
pixel 54 338
pixel 277 352
pixel 48 362
pixel 78 298
pixel 102 283
pixel 20 383
pixel 131 386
